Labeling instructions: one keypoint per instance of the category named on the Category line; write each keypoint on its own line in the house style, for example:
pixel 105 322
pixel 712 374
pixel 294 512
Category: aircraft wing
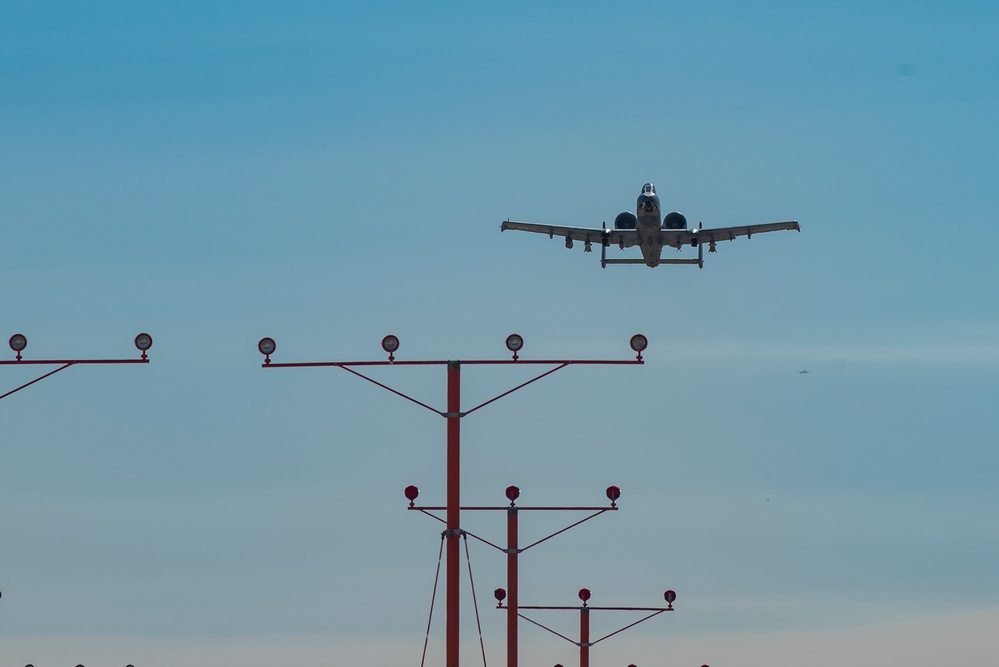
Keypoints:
pixel 619 237
pixel 678 238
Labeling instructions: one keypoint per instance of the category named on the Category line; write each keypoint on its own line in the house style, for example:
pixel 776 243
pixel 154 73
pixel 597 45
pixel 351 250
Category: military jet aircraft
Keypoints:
pixel 650 232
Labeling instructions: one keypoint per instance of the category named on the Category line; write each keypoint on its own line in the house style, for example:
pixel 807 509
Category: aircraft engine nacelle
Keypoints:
pixel 626 220
pixel 674 220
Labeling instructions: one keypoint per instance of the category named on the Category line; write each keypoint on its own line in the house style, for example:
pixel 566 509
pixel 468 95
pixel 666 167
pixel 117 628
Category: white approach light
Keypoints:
pixel 18 342
pixel 638 344
pixel 514 342
pixel 390 344
pixel 143 342
pixel 267 347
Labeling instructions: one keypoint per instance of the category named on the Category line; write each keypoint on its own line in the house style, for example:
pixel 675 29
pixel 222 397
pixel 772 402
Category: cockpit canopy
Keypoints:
pixel 648 189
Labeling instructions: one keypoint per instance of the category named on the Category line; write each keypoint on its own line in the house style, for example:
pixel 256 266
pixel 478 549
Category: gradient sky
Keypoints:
pixel 326 174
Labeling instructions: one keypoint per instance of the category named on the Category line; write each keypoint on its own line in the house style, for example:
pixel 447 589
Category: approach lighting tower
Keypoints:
pixel 453 414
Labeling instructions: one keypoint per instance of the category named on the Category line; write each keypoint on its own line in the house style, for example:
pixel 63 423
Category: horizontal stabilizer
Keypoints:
pixel 642 261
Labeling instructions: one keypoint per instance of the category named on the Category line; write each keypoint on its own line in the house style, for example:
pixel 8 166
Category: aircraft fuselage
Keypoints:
pixel 649 227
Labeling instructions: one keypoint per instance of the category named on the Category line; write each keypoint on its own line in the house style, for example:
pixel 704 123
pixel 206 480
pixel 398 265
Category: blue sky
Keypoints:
pixel 325 174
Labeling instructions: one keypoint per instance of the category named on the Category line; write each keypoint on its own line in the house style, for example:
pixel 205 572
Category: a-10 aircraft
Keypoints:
pixel 650 232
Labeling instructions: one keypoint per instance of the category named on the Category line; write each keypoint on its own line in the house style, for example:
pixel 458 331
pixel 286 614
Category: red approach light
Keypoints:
pixel 670 596
pixel 512 493
pixel 499 594
pixel 613 493
pixel 412 493
pixel 584 594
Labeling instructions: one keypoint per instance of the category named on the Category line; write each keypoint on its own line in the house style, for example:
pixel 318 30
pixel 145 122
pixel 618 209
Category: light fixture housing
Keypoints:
pixel 143 342
pixel 638 344
pixel 18 342
pixel 514 342
pixel 267 347
pixel 670 597
pixel 390 344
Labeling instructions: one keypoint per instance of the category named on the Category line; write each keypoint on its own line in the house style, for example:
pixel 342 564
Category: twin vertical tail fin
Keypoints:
pixel 603 246
pixel 700 249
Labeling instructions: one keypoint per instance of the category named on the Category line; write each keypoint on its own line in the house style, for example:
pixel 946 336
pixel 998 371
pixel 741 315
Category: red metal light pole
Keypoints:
pixel 453 573
pixel 584 629
pixel 453 414
pixel 512 576
pixel 18 342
